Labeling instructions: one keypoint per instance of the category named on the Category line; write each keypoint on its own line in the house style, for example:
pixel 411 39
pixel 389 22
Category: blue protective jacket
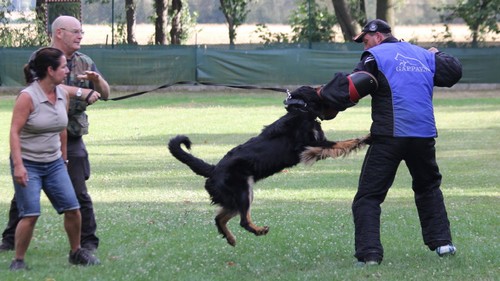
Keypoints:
pixel 402 105
pixel 404 109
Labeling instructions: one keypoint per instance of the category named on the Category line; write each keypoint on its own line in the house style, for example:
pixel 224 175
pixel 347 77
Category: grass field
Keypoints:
pixel 155 221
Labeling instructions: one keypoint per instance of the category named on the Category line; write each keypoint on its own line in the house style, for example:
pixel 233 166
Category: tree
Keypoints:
pixel 183 22
pixel 351 15
pixel 30 34
pixel 235 12
pixel 358 11
pixel 312 23
pixel 176 29
pixel 348 24
pixel 130 16
pixel 479 15
pixel 160 20
pixel 385 11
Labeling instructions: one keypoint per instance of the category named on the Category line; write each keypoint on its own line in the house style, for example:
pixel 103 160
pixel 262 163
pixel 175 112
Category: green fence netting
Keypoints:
pixel 285 65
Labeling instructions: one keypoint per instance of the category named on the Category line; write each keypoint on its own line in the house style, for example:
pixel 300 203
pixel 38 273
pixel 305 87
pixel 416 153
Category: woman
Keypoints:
pixel 38 150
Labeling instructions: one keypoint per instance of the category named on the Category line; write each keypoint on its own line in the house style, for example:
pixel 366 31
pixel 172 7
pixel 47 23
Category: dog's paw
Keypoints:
pixel 261 230
pixel 231 240
pixel 312 154
pixel 366 139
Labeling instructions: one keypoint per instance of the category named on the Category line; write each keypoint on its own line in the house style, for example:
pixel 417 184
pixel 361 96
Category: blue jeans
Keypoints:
pixel 53 178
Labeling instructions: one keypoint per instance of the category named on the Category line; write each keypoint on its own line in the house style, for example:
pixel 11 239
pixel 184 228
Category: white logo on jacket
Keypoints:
pixel 410 64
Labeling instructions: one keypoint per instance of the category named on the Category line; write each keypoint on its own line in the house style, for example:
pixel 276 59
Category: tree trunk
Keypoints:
pixel 474 28
pixel 232 34
pixel 350 27
pixel 362 20
pixel 160 20
pixel 230 23
pixel 176 30
pixel 385 11
pixel 130 15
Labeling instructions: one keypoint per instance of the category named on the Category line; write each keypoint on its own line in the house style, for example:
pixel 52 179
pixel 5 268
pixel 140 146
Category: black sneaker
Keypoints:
pixel 83 257
pixel 4 247
pixel 18 265
pixel 90 247
pixel 446 250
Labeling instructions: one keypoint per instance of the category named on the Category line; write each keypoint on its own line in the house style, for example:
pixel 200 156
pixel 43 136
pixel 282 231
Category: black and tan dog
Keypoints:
pixel 278 146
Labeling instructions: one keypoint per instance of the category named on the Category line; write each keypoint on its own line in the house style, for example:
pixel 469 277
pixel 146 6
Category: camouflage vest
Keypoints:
pixel 78 124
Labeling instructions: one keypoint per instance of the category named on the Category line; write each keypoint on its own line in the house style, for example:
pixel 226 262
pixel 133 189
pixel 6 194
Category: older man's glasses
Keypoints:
pixel 74 31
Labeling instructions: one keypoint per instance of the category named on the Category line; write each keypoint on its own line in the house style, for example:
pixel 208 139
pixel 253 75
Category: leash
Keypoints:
pixel 291 104
pixel 247 87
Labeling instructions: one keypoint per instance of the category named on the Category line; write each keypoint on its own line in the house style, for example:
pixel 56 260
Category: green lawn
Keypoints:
pixel 155 220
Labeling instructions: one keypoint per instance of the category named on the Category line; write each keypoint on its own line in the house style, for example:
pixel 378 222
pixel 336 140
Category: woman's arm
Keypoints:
pixel 22 109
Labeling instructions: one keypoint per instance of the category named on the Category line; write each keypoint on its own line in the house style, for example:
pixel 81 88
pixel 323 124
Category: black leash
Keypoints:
pixel 248 87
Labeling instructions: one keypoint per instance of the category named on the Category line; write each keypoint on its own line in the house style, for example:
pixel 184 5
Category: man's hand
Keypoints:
pixel 90 76
pixel 433 50
pixel 91 96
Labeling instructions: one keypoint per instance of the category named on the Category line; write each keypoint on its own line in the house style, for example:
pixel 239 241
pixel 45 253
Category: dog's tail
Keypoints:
pixel 198 166
pixel 341 148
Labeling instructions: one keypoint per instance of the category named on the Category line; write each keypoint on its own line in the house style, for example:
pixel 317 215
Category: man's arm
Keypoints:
pixel 344 90
pixel 73 92
pixel 448 69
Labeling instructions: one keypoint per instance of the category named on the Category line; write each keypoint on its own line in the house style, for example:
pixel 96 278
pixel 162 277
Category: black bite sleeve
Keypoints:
pixel 448 70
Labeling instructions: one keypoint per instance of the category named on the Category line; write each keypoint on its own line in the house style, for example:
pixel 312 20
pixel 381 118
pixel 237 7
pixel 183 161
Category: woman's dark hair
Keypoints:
pixel 40 61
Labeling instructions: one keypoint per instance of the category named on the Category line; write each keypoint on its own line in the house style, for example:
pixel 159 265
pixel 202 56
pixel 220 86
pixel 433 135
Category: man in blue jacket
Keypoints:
pixel 403 129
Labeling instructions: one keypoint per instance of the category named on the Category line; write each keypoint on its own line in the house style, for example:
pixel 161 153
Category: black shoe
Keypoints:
pixel 83 257
pixel 17 265
pixel 4 247
pixel 446 250
pixel 90 247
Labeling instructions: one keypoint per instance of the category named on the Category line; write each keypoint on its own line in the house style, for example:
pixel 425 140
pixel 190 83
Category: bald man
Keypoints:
pixel 85 85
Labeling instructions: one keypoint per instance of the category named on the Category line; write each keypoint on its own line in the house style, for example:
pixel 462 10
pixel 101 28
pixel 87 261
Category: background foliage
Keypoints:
pixel 276 11
pixel 261 11
pixel 480 16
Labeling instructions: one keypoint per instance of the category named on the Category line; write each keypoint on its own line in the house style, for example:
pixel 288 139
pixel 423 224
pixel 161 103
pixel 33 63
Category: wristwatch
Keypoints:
pixel 79 92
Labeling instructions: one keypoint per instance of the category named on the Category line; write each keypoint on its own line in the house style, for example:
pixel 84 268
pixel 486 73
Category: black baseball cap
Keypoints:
pixel 373 26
